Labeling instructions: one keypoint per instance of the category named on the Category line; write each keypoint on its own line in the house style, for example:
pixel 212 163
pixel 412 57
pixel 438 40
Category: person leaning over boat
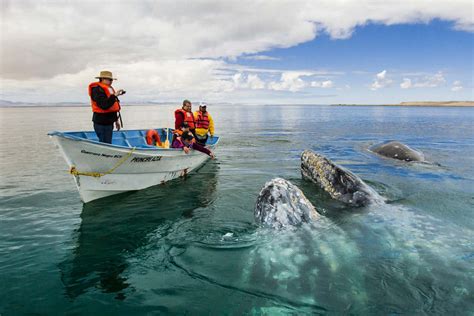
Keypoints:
pixel 184 115
pixel 187 142
pixel 178 132
pixel 105 106
pixel 204 124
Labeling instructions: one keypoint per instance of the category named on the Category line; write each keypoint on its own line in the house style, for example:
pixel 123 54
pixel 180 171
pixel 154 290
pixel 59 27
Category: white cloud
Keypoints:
pixel 161 43
pixel 146 80
pixel 46 38
pixel 457 86
pixel 255 82
pixel 406 83
pixel 306 72
pixel 289 81
pixel 251 81
pixel 381 81
pixel 322 84
pixel 339 18
pixel 431 81
pixel 260 57
pixel 427 81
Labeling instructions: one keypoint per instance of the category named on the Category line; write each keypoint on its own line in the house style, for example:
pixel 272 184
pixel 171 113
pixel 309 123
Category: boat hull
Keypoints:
pixel 122 169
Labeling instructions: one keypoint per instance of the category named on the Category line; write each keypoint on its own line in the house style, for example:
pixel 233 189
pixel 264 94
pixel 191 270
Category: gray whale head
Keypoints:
pixel 281 204
pixel 397 150
pixel 340 183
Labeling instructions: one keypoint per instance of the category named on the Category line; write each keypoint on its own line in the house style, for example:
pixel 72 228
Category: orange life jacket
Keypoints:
pixel 152 137
pixel 188 117
pixel 202 120
pixel 178 132
pixel 108 92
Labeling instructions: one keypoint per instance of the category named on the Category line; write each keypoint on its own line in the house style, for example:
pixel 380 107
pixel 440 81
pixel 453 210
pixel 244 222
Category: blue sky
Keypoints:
pixel 352 51
pixel 426 47
pixel 404 51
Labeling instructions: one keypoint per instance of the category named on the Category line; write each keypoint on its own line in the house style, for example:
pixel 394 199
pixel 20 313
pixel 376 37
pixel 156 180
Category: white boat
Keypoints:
pixel 128 164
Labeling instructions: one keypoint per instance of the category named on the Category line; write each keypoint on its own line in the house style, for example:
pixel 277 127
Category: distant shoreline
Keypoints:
pixel 7 104
pixel 420 103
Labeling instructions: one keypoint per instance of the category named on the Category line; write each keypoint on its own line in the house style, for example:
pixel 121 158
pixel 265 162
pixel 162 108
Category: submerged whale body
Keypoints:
pixel 399 151
pixel 340 183
pixel 281 204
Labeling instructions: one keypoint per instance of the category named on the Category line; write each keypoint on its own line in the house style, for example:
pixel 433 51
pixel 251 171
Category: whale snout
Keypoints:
pixel 281 204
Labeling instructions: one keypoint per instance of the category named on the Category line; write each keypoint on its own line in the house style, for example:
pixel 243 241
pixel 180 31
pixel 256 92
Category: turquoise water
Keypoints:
pixel 191 246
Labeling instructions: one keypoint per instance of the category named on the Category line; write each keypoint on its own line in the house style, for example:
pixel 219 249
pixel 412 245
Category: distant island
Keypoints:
pixel 418 103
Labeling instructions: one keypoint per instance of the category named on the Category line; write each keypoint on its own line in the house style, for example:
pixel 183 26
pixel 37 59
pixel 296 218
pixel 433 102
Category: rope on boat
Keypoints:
pixel 75 172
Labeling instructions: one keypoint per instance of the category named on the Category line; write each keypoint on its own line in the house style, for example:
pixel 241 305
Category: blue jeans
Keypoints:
pixel 104 132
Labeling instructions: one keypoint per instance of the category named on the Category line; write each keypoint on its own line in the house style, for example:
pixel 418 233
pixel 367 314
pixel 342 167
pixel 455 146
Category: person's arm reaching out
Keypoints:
pixel 202 149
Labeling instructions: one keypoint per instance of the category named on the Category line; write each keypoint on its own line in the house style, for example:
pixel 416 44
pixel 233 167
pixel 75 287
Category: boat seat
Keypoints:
pixel 133 134
pixel 120 142
pixel 138 142
pixel 90 135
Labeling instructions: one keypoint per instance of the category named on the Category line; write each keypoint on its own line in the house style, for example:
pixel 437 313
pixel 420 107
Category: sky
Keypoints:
pixel 264 52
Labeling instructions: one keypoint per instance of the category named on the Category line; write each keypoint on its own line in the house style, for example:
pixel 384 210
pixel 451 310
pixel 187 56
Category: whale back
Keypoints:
pixel 341 184
pixel 281 204
pixel 397 150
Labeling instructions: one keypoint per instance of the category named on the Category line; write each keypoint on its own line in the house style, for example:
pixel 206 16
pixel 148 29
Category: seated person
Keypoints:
pixel 187 142
pixel 204 124
pixel 184 128
pixel 178 132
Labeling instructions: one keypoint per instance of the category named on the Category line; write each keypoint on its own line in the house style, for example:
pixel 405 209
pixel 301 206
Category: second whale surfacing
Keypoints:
pixel 341 184
pixel 281 204
pixel 399 151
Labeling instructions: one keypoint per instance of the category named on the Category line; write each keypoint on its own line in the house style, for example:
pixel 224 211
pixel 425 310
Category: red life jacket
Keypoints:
pixel 188 117
pixel 108 92
pixel 202 120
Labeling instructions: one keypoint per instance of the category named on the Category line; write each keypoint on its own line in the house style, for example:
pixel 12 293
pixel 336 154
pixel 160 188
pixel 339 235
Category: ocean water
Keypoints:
pixel 191 246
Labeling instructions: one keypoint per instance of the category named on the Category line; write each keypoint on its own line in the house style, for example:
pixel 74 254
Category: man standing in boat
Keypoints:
pixel 105 106
pixel 204 124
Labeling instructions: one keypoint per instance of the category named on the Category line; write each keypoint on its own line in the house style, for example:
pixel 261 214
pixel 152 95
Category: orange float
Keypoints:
pixel 152 138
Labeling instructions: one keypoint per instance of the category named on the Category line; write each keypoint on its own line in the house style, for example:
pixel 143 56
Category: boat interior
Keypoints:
pixel 130 138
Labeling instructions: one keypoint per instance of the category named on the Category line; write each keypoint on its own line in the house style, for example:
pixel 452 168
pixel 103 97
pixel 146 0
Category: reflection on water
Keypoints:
pixel 113 228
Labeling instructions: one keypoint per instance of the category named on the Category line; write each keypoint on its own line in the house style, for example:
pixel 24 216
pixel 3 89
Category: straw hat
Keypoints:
pixel 105 75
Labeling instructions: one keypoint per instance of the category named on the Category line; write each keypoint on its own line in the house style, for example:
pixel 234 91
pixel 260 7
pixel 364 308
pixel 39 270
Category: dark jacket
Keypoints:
pixel 99 96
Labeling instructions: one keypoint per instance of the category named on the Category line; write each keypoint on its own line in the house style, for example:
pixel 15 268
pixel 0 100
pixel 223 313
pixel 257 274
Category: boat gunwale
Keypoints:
pixel 96 142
